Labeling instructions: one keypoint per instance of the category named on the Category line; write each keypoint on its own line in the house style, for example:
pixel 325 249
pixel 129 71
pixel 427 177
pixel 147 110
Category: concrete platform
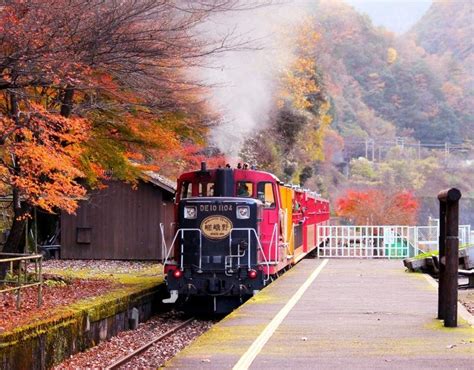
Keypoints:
pixel 356 314
pixel 49 339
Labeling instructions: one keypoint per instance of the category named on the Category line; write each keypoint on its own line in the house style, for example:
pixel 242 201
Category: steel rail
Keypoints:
pixel 128 357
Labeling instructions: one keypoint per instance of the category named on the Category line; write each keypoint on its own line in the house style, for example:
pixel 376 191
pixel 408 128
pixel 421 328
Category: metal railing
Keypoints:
pixel 181 232
pixel 366 242
pixel 466 234
pixel 249 231
pixel 273 246
pixel 22 280
pixel 378 241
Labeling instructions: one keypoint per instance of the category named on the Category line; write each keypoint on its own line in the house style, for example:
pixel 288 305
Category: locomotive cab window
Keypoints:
pixel 206 189
pixel 265 194
pixel 186 190
pixel 244 189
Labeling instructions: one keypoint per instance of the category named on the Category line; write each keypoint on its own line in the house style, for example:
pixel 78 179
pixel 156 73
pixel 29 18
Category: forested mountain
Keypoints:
pixel 383 86
pixel 447 27
pixel 446 33
pixel 397 105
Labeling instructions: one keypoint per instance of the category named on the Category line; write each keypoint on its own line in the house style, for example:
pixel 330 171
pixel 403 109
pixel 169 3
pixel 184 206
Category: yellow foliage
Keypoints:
pixel 313 135
pixel 391 55
pixel 300 91
pixel 298 80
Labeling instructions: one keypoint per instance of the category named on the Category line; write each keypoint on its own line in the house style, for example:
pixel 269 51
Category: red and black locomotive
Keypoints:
pixel 236 229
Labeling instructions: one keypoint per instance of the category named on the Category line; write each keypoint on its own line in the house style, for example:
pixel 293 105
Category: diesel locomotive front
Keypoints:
pixel 235 230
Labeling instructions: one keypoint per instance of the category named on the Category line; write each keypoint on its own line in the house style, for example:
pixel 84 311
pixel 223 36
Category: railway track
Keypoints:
pixel 129 357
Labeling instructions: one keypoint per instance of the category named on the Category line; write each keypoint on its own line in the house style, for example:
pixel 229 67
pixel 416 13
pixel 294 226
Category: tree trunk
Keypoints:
pixel 66 105
pixel 16 238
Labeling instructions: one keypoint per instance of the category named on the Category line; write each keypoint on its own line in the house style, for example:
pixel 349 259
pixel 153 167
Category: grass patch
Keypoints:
pixel 436 252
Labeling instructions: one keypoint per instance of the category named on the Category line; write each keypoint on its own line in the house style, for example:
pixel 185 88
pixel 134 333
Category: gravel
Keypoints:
pixel 105 353
pixel 103 266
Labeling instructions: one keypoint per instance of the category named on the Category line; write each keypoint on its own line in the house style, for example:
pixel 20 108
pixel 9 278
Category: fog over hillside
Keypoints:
pixel 395 15
pixel 401 105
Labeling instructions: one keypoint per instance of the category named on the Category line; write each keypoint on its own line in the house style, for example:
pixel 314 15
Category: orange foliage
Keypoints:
pixel 120 67
pixel 40 157
pixel 376 207
pixel 189 158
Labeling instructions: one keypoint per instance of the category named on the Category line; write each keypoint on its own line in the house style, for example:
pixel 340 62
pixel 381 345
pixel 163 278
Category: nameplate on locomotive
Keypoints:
pixel 216 227
pixel 215 208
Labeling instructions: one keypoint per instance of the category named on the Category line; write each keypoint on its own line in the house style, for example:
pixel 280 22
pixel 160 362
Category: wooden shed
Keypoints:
pixel 120 222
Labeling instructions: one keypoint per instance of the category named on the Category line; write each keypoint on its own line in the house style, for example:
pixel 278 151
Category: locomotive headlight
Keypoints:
pixel 190 212
pixel 243 212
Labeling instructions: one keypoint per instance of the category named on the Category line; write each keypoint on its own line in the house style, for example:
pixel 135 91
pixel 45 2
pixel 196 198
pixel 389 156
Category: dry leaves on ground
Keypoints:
pixel 59 294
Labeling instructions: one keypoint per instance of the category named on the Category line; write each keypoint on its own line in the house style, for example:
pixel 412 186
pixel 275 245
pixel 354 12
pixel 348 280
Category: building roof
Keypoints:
pixel 161 181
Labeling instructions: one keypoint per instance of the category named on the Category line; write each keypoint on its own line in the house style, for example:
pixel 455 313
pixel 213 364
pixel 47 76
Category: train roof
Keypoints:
pixel 253 173
pixel 249 174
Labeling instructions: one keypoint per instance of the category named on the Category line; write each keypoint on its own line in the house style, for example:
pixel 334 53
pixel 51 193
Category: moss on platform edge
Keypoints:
pixel 96 308
pixel 46 342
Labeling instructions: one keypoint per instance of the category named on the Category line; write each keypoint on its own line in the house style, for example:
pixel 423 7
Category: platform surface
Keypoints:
pixel 355 314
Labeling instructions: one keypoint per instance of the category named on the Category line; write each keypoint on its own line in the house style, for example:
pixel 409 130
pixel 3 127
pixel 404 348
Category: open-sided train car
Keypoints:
pixel 236 229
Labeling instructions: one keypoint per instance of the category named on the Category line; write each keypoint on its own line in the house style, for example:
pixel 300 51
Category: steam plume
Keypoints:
pixel 245 80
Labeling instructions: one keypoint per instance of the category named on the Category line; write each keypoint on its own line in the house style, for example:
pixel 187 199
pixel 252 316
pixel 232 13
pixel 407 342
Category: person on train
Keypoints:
pixel 243 190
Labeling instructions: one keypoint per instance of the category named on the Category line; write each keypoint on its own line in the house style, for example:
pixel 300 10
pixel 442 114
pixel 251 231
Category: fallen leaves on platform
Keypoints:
pixel 55 295
pixel 67 282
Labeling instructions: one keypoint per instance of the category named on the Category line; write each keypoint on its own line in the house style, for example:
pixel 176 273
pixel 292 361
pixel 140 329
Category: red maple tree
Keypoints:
pixel 89 87
pixel 378 207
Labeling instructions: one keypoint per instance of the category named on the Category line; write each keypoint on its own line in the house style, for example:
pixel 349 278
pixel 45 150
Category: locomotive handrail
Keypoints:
pixel 182 231
pixel 163 245
pixel 249 230
pixel 292 235
pixel 239 256
pixel 274 236
pixel 164 248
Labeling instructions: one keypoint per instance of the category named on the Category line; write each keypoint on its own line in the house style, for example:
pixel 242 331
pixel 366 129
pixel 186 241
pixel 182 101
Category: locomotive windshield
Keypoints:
pixel 244 189
pixel 186 190
pixel 265 194
pixel 206 189
pixel 201 189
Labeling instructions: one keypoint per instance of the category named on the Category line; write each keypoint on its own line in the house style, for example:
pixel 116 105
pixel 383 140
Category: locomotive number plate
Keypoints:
pixel 216 227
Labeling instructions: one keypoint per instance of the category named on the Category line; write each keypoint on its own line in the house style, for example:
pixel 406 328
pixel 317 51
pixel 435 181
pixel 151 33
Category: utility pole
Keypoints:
pixel 446 149
pixel 373 149
pixel 400 142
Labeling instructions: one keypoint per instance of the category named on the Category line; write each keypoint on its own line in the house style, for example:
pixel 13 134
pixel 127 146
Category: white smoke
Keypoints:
pixel 245 80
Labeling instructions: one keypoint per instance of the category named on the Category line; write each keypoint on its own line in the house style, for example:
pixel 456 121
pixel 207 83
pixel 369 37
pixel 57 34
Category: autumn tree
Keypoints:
pixel 95 87
pixel 294 141
pixel 377 207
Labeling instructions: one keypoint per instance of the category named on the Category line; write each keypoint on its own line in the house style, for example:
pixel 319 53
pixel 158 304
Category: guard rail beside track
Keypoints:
pixel 15 275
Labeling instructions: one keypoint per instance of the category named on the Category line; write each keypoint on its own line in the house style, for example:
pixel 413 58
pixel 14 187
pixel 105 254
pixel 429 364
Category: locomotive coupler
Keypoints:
pixel 243 289
pixel 214 285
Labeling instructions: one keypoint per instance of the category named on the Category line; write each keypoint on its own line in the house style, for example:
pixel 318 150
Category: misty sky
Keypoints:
pixel 395 15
